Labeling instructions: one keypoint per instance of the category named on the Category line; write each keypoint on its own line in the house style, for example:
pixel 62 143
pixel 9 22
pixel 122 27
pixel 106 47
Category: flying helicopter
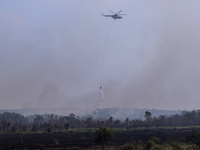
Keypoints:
pixel 115 16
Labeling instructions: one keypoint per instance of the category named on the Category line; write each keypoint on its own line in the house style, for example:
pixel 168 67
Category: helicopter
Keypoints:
pixel 115 16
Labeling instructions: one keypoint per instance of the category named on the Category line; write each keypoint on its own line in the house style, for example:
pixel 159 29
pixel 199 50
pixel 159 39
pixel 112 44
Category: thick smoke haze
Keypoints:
pixel 51 52
pixel 170 77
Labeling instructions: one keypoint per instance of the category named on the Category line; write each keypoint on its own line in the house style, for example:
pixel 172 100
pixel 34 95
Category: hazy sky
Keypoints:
pixel 51 50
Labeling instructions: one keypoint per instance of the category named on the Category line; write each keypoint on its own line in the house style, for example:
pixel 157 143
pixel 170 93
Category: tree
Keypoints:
pixel 147 115
pixel 47 126
pixel 72 117
pixel 127 123
pixel 117 123
pixel 38 119
pixel 13 128
pixel 88 122
pixel 23 127
pixel 110 121
pixel 35 127
pixel 161 120
pixel 3 125
pixel 148 118
pixel 8 125
pixel 66 125
pixel 103 136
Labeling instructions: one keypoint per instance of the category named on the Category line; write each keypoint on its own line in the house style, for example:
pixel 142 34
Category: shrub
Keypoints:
pixel 156 140
pixel 193 138
pixel 150 144
pixel 127 147
pixel 104 135
pixel 42 147
pixel 131 146
pixel 183 140
pixel 157 148
pixel 176 146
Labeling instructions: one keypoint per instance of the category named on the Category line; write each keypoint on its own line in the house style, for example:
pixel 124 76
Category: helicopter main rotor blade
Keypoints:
pixel 118 12
pixel 122 14
pixel 112 12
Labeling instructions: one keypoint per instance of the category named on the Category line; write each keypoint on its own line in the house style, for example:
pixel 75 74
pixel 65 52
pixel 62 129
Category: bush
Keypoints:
pixel 193 138
pixel 127 147
pixel 157 148
pixel 183 140
pixel 104 135
pixel 176 146
pixel 150 144
pixel 156 140
pixel 131 146
pixel 42 147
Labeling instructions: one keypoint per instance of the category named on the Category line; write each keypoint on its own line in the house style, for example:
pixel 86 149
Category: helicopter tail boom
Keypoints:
pixel 107 15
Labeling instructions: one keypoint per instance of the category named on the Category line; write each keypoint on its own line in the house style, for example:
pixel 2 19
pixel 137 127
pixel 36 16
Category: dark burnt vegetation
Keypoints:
pixel 86 140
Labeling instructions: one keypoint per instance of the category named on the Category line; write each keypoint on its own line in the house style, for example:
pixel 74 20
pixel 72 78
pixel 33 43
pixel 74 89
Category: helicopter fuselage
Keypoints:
pixel 116 17
pixel 113 16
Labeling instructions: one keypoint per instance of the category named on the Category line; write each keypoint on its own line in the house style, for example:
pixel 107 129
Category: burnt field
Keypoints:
pixel 85 140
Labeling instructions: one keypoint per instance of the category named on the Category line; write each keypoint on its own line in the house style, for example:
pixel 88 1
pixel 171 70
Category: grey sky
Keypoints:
pixel 51 50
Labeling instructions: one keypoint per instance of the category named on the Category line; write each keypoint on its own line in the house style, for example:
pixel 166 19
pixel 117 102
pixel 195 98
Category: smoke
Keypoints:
pixel 169 75
pixel 51 100
pixel 50 56
pixel 44 68
pixel 87 103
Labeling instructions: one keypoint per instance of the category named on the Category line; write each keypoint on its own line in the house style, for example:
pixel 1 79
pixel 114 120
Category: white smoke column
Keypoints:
pixel 102 98
pixel 97 101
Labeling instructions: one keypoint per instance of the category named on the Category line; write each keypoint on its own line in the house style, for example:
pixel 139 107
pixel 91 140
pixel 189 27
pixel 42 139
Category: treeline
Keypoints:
pixel 131 113
pixel 16 122
pixel 187 118
pixel 117 113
